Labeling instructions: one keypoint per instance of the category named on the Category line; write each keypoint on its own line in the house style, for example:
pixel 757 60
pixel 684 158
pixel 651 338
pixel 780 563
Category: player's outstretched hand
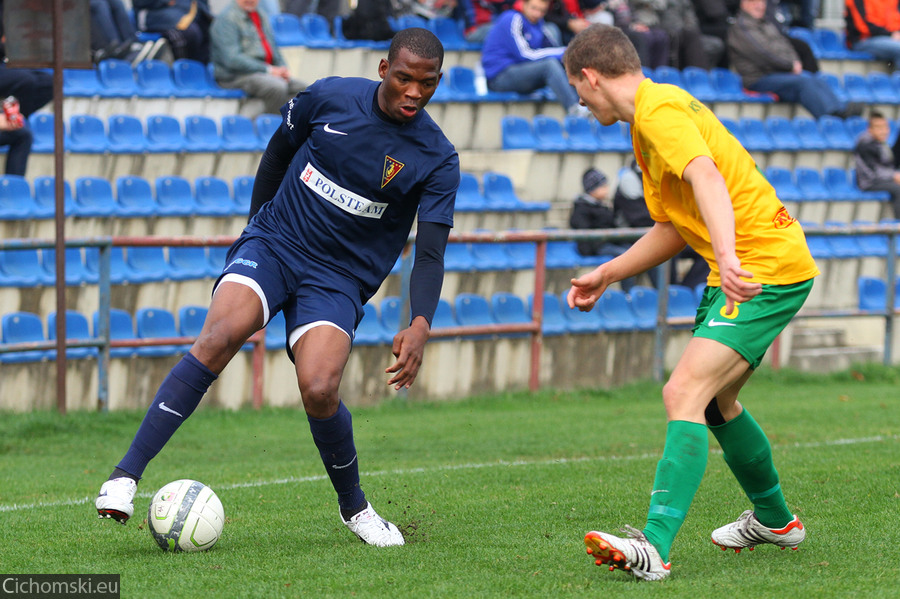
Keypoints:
pixel 734 286
pixel 408 348
pixel 586 290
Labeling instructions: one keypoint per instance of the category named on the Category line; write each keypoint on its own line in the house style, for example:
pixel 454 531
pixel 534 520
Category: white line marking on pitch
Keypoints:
pixel 451 467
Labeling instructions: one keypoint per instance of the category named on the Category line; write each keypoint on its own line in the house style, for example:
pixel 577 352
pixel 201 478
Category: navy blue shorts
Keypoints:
pixel 287 280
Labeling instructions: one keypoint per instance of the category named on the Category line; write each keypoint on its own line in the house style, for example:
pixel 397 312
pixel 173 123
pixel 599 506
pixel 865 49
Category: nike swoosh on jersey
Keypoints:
pixel 165 408
pixel 327 128
pixel 715 323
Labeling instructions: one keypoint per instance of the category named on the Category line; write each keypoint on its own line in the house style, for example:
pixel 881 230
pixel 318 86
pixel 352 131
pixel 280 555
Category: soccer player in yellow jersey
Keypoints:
pixel 703 189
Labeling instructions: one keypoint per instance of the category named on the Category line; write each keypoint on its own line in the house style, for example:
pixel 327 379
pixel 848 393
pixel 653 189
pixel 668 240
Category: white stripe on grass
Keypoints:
pixel 450 467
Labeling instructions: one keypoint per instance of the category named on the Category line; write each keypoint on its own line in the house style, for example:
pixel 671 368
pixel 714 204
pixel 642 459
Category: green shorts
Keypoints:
pixel 752 327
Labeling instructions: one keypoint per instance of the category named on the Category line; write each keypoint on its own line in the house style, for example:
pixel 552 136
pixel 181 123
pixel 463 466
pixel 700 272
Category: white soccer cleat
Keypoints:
pixel 633 554
pixel 116 499
pixel 748 532
pixel 372 529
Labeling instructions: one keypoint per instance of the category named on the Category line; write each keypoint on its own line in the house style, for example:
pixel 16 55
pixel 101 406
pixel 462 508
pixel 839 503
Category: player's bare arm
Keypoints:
pixel 408 348
pixel 714 203
pixel 660 243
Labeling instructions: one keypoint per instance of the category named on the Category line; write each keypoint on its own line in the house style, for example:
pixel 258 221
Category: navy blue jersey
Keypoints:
pixel 357 181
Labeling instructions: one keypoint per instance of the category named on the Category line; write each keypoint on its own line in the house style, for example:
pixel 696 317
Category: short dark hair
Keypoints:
pixel 603 48
pixel 874 114
pixel 420 42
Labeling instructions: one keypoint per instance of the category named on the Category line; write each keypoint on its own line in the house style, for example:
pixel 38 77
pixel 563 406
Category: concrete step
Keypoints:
pixel 832 359
pixel 811 338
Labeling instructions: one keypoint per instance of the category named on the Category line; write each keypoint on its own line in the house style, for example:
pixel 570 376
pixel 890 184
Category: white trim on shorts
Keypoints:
pixel 302 329
pixel 245 280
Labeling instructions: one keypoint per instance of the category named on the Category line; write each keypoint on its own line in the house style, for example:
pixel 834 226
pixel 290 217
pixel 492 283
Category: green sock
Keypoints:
pixel 749 455
pixel 678 477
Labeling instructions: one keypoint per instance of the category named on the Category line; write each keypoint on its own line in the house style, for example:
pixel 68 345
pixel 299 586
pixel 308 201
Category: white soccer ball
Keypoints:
pixel 186 515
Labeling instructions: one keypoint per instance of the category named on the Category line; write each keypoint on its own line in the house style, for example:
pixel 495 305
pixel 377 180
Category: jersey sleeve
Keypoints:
pixel 299 112
pixel 439 192
pixel 676 137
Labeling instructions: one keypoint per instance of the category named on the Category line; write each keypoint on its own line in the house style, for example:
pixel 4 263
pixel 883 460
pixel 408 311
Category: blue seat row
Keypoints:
pixel 843 247
pixel 828 44
pixel 873 294
pixel 498 195
pixel 126 134
pixel 808 184
pixel 114 78
pixel 134 197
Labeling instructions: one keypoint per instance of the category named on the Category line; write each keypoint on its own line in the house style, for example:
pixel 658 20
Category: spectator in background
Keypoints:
pixel 568 18
pixel 874 27
pixel 184 24
pixel 519 56
pixel 327 8
pixel 650 40
pixel 481 18
pixel 245 56
pixel 767 62
pixel 875 162
pixel 369 21
pixel 112 33
pixel 593 209
pixel 689 47
pixel 33 89
pixel 714 17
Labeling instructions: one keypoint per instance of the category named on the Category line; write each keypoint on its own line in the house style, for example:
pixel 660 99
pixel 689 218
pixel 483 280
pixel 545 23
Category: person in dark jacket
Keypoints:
pixel 184 24
pixel 593 209
pixel 874 160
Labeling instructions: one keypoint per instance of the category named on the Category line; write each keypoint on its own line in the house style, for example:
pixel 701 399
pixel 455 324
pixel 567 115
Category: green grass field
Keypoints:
pixel 494 495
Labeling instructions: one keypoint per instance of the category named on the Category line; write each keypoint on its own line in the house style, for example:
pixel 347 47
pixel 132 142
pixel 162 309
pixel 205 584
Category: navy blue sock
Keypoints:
pixel 178 396
pixel 334 438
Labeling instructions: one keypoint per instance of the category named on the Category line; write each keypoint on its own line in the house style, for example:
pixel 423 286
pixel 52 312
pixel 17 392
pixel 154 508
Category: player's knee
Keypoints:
pixel 216 343
pixel 319 390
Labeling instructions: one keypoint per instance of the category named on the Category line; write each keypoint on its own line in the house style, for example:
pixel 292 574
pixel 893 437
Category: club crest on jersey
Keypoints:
pixel 391 168
pixel 783 219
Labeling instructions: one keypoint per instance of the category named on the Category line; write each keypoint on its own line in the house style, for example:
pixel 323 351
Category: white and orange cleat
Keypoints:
pixel 634 554
pixel 748 532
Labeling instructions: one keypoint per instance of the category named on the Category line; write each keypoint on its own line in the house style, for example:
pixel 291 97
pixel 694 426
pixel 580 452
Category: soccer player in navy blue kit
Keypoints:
pixel 338 188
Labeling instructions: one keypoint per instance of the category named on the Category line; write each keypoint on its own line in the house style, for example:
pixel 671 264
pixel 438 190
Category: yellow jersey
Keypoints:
pixel 671 128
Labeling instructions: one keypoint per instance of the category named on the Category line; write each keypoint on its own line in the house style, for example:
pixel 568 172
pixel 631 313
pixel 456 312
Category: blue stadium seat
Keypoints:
pixel 783 182
pixel 76 328
pixel 810 183
pixel 41 125
pixel 698 83
pixel 157 323
pixel 121 327
pixel 872 245
pixel 287 30
pixel 81 82
pixel 499 192
pixel 580 134
pixel 317 31
pixel 76 271
pixel 119 271
pixel 217 91
pixel 842 246
pixel 548 133
pixel 883 89
pixel 188 263
pixel 552 320
pixel 117 78
pixel 191 319
pixel 614 138
pixel 450 32
pixel 389 314
pixel 45 197
pixel 126 135
pixel 174 196
pixel 16 201
pixel 238 134
pixel 22 268
pixel 458 258
pixel 872 294
pixel 134 197
pixel 212 197
pixel 242 191
pixel 370 331
pixel 817 244
pixel 783 135
pixel 806 35
pixel 809 134
pixel 217 256
pixel 266 125
pixel 856 125
pixel 154 79
pixel 190 79
pixel 407 21
pixel 509 308
pixel 276 335
pixel 645 305
pixel 730 88
pixel 833 46
pixel 164 134
pixel 835 132
pixel 734 128
pixel 755 136
pixel 576 320
pixel 837 180
pixel 87 134
pixel 857 88
pixel 835 84
pixel 443 316
pixel 667 74
pixel 562 254
pixel 201 134
pixel 490 256
pixel 22 327
pixel 615 312
pixel 682 302
pixel 517 133
pixel 521 254
pixel 468 194
pixel 94 198
pixel 148 263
